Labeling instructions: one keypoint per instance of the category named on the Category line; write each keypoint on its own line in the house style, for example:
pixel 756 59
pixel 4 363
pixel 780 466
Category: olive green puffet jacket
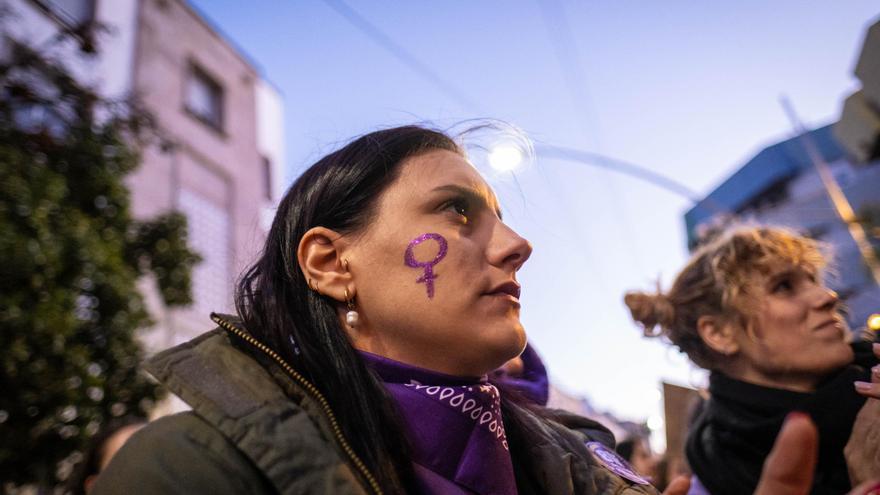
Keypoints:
pixel 258 427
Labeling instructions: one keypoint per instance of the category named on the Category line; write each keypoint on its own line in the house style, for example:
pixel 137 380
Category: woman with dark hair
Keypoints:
pixel 636 451
pixel 385 296
pixel 752 309
pixel 358 361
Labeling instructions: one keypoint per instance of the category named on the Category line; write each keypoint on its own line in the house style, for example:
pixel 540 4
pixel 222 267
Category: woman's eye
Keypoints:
pixel 784 285
pixel 460 207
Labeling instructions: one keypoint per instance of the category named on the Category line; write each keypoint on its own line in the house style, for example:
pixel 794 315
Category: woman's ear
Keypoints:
pixel 319 255
pixel 718 335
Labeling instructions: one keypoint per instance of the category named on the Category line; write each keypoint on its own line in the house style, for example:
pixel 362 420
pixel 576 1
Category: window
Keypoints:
pixel 771 197
pixel 72 13
pixel 267 178
pixel 209 234
pixel 204 98
pixel 817 232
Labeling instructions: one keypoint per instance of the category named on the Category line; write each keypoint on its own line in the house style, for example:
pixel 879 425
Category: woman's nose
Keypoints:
pixel 827 299
pixel 513 249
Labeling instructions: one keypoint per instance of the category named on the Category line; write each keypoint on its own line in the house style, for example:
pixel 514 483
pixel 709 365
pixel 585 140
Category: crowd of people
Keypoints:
pixel 377 348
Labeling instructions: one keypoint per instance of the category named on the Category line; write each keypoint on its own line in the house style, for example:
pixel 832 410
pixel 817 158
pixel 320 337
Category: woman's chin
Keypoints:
pixel 507 348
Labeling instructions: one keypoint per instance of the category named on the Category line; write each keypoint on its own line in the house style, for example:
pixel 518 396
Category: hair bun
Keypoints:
pixel 651 311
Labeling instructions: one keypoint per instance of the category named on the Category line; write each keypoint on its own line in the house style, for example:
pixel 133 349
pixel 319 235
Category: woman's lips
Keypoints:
pixel 833 325
pixel 511 289
pixel 506 294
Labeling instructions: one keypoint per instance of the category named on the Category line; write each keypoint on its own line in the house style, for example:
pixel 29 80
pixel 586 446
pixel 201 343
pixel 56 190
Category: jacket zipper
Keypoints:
pixel 313 391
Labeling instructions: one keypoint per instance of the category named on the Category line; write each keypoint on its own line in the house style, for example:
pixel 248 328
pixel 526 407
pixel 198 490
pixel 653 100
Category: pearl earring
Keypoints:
pixel 351 318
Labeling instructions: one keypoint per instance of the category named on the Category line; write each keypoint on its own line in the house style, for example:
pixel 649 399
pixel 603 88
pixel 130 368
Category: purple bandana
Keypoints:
pixel 454 427
pixel 533 382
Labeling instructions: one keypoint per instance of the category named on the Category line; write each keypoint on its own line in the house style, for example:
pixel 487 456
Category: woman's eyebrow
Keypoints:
pixel 786 273
pixel 470 194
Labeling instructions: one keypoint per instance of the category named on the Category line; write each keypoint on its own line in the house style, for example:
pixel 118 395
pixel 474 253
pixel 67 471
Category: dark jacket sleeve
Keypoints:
pixel 180 454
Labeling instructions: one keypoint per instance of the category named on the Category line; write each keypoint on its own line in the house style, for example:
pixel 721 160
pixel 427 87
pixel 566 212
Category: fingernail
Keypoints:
pixel 863 386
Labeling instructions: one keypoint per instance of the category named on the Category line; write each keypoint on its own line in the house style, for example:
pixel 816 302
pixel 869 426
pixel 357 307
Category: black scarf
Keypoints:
pixel 728 443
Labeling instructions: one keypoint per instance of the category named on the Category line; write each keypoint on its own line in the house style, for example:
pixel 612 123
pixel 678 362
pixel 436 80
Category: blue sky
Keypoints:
pixel 687 89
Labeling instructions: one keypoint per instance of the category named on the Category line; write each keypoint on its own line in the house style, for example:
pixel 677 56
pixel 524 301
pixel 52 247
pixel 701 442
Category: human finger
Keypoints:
pixel 789 468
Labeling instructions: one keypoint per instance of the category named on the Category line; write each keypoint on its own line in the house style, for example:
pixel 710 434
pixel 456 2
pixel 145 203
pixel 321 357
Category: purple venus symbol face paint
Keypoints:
pixel 411 261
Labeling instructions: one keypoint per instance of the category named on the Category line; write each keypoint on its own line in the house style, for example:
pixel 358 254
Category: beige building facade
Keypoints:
pixel 220 159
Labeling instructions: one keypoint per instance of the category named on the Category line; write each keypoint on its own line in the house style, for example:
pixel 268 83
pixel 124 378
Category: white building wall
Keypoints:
pixel 270 129
pixel 270 143
pixel 116 65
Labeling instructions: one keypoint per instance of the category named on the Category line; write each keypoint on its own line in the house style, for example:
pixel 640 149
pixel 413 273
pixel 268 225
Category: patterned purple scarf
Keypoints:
pixel 454 427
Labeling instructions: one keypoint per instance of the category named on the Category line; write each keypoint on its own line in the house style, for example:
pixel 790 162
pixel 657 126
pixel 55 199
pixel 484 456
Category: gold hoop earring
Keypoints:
pixel 351 318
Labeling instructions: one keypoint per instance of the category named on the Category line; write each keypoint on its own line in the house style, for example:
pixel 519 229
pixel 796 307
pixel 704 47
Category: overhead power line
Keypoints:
pixel 410 60
pixel 570 62
pixel 402 54
pixel 633 170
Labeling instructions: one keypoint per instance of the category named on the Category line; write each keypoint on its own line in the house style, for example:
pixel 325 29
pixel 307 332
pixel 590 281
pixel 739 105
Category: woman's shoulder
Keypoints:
pixel 589 428
pixel 181 453
pixel 586 444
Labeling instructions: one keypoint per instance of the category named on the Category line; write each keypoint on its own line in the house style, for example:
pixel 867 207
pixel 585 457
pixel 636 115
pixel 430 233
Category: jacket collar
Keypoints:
pixel 286 439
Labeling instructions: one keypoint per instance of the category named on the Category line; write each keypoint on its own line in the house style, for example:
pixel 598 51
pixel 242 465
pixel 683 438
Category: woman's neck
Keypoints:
pixel 436 361
pixel 795 382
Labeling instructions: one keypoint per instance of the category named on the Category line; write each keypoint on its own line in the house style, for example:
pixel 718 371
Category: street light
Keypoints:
pixel 505 157
pixel 874 322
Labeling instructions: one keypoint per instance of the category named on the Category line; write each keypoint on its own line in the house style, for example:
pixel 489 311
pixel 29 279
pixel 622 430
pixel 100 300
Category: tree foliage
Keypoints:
pixel 71 255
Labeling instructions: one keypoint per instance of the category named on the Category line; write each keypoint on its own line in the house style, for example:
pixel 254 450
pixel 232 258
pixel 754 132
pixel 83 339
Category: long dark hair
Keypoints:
pixel 338 192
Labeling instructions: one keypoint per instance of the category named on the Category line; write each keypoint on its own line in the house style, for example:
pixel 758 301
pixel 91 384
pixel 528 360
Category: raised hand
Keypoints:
pixel 789 468
pixel 862 452
pixel 871 389
pixel 679 486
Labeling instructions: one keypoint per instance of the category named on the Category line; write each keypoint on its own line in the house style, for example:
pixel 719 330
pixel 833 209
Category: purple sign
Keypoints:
pixel 615 463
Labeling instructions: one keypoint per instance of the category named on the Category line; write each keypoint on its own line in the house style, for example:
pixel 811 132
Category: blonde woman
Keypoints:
pixel 752 308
